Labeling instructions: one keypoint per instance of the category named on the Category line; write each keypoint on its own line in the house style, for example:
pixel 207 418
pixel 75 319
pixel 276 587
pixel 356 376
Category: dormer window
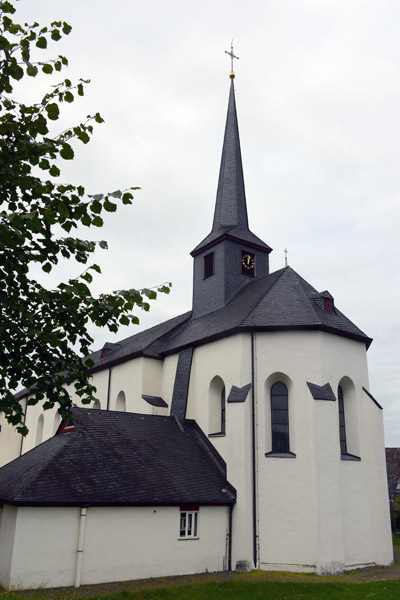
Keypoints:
pixel 208 265
pixel 325 301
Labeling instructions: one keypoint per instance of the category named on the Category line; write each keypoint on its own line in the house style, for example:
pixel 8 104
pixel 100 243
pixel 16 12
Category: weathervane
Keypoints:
pixel 232 55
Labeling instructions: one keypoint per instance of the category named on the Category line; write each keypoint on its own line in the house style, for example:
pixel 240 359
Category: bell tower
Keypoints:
pixel 231 256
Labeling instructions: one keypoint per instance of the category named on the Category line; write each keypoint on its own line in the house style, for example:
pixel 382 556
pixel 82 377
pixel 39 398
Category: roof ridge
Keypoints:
pixel 280 271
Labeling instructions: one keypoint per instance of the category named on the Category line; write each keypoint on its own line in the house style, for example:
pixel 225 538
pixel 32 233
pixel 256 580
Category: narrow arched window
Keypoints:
pixel 342 424
pixel 223 421
pixel 280 418
pixel 39 430
pixel 121 402
pixel 217 407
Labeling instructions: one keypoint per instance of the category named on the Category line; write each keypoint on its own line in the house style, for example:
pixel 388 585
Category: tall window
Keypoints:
pixel 217 407
pixel 280 418
pixel 208 265
pixel 121 402
pixel 342 425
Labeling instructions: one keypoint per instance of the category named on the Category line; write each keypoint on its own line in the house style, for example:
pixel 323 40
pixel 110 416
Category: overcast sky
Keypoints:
pixel 318 99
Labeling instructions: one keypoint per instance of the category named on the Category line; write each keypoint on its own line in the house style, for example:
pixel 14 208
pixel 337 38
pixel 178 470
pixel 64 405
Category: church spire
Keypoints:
pixel 230 215
pixel 230 206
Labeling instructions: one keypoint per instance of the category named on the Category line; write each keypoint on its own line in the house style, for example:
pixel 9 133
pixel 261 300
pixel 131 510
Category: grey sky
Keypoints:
pixel 318 96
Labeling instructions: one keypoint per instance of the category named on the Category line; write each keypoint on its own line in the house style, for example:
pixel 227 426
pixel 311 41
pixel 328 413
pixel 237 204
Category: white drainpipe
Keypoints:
pixel 79 551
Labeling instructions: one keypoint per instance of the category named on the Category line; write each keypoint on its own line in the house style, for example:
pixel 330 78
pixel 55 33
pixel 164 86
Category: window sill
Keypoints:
pixel 187 539
pixel 212 435
pixel 280 455
pixel 350 457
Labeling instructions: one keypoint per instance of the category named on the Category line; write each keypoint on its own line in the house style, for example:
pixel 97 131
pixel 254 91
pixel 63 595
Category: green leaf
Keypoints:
pixel 41 42
pixel 31 70
pixel 53 112
pixel 68 97
pixel 47 68
pixel 127 198
pixel 66 28
pixel 54 171
pixel 46 267
pixel 96 207
pixel 55 35
pixel 66 152
pixel 109 206
pixel 97 221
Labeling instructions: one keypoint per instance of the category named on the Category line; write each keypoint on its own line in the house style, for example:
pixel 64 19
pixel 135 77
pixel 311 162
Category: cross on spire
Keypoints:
pixel 232 55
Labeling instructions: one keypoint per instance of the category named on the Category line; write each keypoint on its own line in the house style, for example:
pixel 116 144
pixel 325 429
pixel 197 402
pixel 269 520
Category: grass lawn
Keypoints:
pixel 248 589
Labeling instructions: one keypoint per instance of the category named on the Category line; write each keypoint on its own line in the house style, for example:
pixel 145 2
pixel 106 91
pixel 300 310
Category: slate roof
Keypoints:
pixel 280 301
pixel 115 458
pixel 230 216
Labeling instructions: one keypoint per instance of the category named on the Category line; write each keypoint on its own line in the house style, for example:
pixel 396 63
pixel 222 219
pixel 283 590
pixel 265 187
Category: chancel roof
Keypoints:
pixel 280 301
pixel 116 458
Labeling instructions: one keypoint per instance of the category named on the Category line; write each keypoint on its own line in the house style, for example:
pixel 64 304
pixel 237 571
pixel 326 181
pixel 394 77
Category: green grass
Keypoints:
pixel 396 541
pixel 254 590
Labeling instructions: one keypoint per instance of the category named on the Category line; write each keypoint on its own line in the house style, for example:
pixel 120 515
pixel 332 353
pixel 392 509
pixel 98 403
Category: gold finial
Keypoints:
pixel 232 55
pixel 286 252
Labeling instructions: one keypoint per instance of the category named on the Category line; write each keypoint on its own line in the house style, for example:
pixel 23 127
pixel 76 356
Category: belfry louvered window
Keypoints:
pixel 280 418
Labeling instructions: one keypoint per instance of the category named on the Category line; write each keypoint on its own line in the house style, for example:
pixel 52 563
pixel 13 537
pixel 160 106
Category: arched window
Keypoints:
pixel 121 402
pixel 96 404
pixel 217 407
pixel 348 420
pixel 342 424
pixel 39 430
pixel 280 418
pixel 57 421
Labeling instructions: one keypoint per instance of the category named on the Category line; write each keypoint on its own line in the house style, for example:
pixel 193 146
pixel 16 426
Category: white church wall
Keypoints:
pixel 229 360
pixel 10 440
pixel 39 545
pixel 312 515
pixel 42 546
pixel 377 490
pixel 286 485
pixel 7 534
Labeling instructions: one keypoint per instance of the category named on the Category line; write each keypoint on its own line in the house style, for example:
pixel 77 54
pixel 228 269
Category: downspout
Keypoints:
pixel 230 538
pixel 254 458
pixel 79 551
pixel 109 388
pixel 23 423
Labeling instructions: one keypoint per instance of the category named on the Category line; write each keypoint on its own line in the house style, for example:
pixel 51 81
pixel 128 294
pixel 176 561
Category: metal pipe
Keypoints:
pixel 230 538
pixel 79 551
pixel 253 451
pixel 109 388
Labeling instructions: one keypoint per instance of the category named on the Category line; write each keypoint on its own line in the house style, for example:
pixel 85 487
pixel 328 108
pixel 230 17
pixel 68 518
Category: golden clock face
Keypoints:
pixel 248 261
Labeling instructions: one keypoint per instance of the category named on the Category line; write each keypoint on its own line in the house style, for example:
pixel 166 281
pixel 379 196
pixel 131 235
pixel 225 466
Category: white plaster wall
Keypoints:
pixel 44 546
pixel 126 543
pixel 314 510
pixel 119 544
pixel 10 441
pixel 228 359
pixel 7 535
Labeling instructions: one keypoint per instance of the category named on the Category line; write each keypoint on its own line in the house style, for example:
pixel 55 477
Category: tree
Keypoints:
pixel 44 334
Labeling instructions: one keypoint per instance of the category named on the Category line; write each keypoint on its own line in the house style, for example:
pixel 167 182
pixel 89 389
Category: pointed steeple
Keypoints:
pixel 230 207
pixel 231 256
pixel 230 215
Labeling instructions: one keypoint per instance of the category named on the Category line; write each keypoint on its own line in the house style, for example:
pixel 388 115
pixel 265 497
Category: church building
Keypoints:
pixel 239 435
